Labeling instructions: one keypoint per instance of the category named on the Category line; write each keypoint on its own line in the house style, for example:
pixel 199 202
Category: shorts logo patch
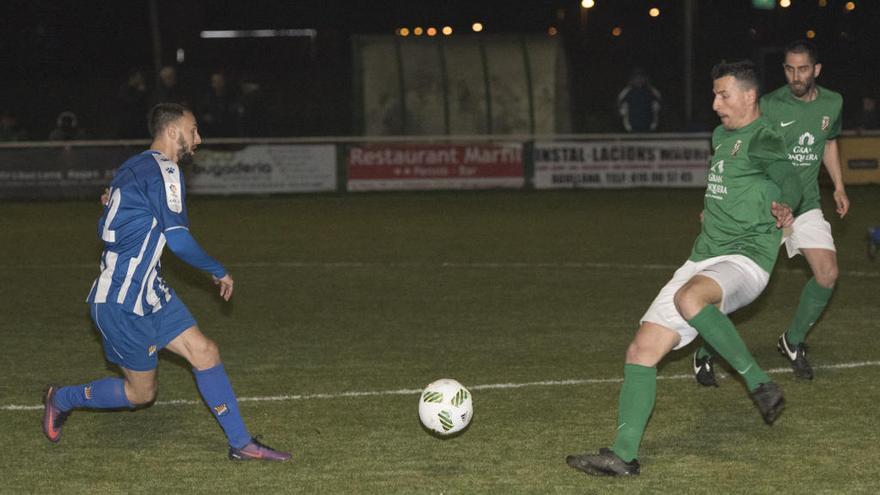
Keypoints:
pixel 87 393
pixel 151 350
pixel 221 409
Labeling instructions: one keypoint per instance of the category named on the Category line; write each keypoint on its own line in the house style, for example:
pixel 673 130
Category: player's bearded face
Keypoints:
pixel 800 72
pixel 800 87
pixel 185 153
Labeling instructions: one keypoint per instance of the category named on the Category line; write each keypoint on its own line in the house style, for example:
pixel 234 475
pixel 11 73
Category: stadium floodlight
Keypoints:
pixel 588 4
pixel 259 33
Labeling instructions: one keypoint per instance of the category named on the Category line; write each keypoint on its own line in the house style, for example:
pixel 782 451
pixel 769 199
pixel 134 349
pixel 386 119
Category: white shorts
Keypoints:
pixel 741 281
pixel 809 230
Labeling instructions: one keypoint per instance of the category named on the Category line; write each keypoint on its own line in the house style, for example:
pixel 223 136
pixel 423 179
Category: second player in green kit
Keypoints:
pixel 808 117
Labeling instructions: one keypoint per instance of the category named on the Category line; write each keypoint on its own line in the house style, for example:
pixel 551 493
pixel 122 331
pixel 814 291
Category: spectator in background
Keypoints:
pixel 168 90
pixel 251 109
pixel 869 118
pixel 67 128
pixel 131 101
pixel 9 128
pixel 639 104
pixel 217 108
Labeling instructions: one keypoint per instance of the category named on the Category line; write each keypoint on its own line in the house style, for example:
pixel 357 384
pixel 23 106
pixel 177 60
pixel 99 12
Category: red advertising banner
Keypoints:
pixel 434 166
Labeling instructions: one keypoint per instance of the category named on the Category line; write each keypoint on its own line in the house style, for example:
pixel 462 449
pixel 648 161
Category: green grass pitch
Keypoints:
pixel 529 298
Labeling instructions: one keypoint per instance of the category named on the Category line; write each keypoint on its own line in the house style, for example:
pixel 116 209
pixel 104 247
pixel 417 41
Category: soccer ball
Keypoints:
pixel 445 407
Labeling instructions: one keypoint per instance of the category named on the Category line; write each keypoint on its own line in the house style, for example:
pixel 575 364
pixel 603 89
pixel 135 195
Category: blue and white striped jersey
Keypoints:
pixel 146 201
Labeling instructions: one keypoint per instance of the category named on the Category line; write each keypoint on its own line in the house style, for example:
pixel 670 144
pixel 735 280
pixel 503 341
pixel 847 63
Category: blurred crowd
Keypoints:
pixel 237 107
pixel 224 108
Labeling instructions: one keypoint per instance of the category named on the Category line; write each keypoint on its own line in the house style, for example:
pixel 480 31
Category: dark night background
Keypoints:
pixel 71 55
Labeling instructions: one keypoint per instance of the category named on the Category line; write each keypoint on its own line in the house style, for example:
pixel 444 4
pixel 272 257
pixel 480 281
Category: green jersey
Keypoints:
pixel 749 170
pixel 805 126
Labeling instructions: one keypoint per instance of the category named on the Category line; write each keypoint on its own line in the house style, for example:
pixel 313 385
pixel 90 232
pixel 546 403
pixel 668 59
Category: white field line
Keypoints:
pixel 442 264
pixel 490 386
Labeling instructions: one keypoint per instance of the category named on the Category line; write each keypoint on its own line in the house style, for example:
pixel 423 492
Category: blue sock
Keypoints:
pixel 217 392
pixel 875 234
pixel 106 393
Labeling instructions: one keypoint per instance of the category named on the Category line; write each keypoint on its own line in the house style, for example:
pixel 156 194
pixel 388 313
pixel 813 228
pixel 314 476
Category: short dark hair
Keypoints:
pixel 163 114
pixel 743 71
pixel 804 46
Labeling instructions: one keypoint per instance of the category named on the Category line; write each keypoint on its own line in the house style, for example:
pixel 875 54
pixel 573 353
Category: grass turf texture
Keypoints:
pixel 372 292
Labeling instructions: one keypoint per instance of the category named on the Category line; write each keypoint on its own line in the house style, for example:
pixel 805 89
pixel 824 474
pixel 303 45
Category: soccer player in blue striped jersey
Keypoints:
pixel 133 309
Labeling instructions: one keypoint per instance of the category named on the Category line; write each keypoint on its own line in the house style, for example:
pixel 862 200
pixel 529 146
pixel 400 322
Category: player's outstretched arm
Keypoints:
pixel 831 159
pixel 185 247
pixel 225 284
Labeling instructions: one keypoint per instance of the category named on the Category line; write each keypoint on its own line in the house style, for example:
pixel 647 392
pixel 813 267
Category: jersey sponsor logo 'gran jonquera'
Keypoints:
pixel 716 188
pixel 802 154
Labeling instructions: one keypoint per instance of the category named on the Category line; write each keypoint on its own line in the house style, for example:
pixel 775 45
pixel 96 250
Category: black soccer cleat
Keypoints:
pixel 605 463
pixel 768 397
pixel 256 450
pixel 53 418
pixel 704 371
pixel 797 356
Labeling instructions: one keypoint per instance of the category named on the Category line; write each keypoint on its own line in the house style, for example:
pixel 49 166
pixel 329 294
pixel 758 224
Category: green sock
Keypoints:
pixel 814 298
pixel 718 331
pixel 636 403
pixel 705 351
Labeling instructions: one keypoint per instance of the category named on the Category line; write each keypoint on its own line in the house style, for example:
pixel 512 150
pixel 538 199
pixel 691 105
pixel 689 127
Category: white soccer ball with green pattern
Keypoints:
pixel 445 407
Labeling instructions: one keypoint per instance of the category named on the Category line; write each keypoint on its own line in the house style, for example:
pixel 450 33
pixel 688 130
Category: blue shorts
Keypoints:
pixel 133 341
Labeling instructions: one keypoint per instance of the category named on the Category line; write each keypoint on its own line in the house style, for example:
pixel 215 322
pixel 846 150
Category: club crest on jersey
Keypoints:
pixel 151 350
pixel 87 393
pixel 736 147
pixel 826 122
pixel 221 409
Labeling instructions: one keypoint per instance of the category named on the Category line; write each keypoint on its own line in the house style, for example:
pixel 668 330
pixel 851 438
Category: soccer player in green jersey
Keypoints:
pixel 808 117
pixel 750 195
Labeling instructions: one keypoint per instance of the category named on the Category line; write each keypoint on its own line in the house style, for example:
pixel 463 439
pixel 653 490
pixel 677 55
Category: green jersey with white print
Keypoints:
pixel 805 126
pixel 736 213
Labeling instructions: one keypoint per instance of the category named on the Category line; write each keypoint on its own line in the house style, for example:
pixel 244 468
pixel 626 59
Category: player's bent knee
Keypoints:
pixel 643 355
pixel 205 354
pixel 140 394
pixel 827 277
pixel 686 303
pixel 651 344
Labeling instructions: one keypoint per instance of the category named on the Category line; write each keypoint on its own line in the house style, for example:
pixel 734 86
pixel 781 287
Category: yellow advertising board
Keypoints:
pixel 860 159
